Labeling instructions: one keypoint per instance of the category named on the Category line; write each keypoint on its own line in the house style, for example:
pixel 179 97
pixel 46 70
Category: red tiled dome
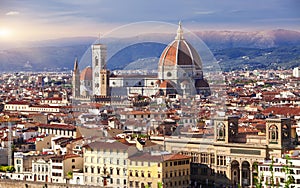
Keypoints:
pixel 86 74
pixel 180 52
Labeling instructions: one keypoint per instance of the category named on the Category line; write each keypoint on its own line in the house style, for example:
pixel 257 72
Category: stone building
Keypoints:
pixel 228 156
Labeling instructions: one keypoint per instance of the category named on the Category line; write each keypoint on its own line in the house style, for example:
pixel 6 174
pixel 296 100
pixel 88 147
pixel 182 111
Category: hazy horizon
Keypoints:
pixel 31 20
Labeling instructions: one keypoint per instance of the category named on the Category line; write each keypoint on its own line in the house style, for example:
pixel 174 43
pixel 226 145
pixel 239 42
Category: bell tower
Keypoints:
pixel 98 64
pixel 278 132
pixel 226 128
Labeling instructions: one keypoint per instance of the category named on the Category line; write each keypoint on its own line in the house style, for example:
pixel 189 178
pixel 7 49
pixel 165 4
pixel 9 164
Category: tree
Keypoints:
pixel 272 173
pixel 70 175
pixel 289 179
pixel 257 179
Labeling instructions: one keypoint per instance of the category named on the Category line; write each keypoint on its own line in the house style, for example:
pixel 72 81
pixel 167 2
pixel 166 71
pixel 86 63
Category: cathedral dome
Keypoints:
pixel 180 52
pixel 86 74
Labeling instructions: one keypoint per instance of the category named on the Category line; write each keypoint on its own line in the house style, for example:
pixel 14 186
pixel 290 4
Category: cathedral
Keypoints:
pixel 179 72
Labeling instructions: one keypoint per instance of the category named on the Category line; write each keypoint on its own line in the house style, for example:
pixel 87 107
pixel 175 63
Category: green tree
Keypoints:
pixel 70 175
pixel 257 179
pixel 289 179
pixel 272 184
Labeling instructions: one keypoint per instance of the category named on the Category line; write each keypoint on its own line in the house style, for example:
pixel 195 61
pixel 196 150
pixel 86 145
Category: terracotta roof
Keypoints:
pixel 201 83
pixel 18 102
pixel 287 111
pixel 107 145
pixel 58 126
pixel 86 74
pixel 180 52
pixel 166 84
pixel 157 158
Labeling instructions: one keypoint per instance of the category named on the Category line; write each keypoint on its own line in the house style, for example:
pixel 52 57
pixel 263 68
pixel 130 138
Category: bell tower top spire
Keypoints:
pixel 179 35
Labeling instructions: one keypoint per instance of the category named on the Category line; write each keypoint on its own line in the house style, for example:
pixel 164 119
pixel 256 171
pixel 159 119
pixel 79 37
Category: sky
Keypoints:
pixel 32 20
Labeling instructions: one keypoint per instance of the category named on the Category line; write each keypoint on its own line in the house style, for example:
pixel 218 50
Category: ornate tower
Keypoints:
pixel 98 64
pixel 104 85
pixel 226 128
pixel 76 80
pixel 278 133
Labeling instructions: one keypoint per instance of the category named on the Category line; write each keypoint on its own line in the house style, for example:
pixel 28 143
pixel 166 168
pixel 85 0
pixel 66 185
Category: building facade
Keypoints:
pixel 228 157
pixel 105 164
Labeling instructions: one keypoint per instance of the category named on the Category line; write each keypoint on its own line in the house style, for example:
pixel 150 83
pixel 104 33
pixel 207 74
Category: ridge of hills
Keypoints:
pixel 232 49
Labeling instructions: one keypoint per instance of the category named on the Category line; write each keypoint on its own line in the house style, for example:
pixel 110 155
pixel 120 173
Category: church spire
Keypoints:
pixel 76 65
pixel 179 35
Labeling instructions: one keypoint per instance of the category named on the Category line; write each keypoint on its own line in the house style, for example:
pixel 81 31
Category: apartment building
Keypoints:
pixel 278 171
pixel 105 163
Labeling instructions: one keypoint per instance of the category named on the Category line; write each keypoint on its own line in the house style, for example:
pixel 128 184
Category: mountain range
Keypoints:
pixel 232 50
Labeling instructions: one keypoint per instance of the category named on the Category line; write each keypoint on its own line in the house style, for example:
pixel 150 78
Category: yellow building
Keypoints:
pixel 105 163
pixel 158 170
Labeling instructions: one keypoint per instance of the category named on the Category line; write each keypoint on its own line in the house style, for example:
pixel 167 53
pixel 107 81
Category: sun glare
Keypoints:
pixel 5 33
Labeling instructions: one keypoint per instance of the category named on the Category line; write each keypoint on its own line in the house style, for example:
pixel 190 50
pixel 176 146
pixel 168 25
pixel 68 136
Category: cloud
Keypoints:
pixel 12 13
pixel 205 12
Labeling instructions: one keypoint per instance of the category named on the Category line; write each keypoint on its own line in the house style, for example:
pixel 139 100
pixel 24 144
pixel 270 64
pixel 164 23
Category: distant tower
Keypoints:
pixel 104 85
pixel 98 64
pixel 76 80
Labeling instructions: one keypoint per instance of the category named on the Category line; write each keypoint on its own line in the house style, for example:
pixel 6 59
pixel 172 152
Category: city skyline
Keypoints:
pixel 32 20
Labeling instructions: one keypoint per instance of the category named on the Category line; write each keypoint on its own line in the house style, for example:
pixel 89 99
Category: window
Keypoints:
pixel 96 61
pixel 169 74
pixel 221 132
pixel 118 181
pixel 73 160
pixel 136 174
pixel 73 166
pixel 273 134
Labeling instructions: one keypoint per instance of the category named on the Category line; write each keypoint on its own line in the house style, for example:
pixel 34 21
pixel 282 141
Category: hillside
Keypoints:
pixel 261 49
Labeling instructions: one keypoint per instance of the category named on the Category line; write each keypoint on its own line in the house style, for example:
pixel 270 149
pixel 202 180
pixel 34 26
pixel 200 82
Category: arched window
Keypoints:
pixel 232 129
pixel 285 132
pixel 221 131
pixel 273 133
pixel 96 61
